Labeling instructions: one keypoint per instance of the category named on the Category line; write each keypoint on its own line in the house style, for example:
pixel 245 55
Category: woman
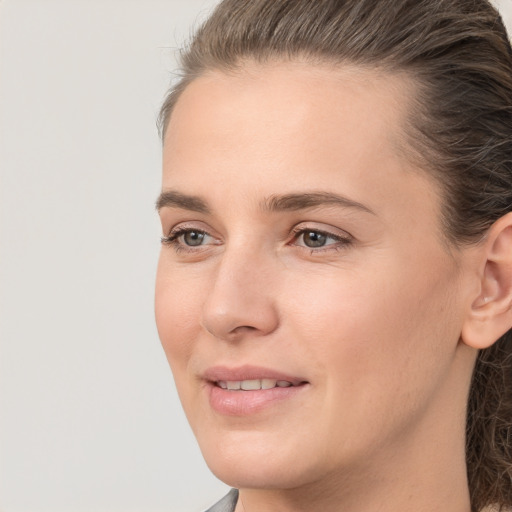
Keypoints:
pixel 334 292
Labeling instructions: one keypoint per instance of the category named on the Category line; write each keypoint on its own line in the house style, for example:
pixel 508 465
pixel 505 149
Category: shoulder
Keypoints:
pixel 226 504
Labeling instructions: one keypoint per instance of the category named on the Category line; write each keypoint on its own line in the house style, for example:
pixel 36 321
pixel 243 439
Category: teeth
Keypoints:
pixel 268 383
pixel 253 385
pixel 250 385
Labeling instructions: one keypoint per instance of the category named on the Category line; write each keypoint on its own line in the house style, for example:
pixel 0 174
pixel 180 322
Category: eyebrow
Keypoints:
pixel 274 203
pixel 173 199
pixel 302 201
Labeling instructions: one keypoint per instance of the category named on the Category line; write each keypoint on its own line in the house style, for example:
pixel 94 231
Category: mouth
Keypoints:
pixel 253 384
pixel 249 390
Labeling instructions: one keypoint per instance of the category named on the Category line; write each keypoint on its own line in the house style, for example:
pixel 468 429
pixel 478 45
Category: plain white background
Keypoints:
pixel 89 419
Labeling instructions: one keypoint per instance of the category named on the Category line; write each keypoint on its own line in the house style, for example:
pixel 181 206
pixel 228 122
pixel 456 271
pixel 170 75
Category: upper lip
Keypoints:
pixel 248 372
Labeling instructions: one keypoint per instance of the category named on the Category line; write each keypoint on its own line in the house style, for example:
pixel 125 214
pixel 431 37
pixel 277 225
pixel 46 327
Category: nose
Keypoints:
pixel 241 300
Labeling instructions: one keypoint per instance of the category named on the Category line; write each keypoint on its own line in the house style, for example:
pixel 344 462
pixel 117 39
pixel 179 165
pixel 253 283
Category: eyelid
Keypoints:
pixel 177 231
pixel 181 227
pixel 342 238
pixel 321 228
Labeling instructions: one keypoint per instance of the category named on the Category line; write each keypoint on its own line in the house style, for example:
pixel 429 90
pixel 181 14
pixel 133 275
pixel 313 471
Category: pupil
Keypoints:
pixel 193 238
pixel 314 239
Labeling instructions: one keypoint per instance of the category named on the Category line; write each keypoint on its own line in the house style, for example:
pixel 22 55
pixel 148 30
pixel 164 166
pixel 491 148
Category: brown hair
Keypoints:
pixel 459 55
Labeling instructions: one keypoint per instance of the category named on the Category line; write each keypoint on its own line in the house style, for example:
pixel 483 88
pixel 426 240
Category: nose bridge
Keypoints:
pixel 241 295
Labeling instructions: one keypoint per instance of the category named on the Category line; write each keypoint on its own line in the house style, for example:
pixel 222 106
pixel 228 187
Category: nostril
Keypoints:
pixel 244 328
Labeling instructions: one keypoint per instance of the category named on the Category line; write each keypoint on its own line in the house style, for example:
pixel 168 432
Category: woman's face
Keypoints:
pixel 305 263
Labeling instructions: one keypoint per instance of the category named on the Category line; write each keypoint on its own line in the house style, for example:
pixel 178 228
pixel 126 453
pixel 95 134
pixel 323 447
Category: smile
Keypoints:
pixel 253 384
pixel 248 390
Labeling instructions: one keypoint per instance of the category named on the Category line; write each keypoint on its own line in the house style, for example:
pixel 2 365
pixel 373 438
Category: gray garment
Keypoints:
pixel 226 504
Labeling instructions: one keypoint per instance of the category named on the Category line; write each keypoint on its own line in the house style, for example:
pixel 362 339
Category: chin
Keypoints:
pixel 260 474
pixel 249 460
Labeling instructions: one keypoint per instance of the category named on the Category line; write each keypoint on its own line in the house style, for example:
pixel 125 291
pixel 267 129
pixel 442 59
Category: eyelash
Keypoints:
pixel 342 242
pixel 173 239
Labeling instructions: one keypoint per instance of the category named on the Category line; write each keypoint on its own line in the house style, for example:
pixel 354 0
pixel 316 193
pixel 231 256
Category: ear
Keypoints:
pixel 490 315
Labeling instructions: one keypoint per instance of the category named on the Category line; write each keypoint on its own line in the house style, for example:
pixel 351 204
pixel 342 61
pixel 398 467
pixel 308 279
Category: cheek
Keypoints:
pixel 177 313
pixel 379 334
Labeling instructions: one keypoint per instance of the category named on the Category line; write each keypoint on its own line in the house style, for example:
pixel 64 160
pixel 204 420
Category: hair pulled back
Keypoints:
pixel 459 55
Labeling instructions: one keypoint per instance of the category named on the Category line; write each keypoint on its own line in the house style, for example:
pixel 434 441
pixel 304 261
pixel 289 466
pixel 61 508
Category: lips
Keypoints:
pixel 249 389
pixel 253 384
pixel 249 373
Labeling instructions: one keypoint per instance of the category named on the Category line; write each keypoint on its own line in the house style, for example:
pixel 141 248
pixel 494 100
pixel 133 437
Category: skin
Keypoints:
pixel 372 320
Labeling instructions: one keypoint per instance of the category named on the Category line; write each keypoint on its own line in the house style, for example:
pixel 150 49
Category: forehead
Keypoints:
pixel 296 92
pixel 276 127
pixel 292 105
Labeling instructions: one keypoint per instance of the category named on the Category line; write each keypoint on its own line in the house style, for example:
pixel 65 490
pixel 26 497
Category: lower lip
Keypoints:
pixel 243 403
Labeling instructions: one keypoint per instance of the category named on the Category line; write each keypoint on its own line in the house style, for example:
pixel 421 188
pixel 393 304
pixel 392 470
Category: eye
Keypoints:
pixel 319 239
pixel 193 238
pixel 314 239
pixel 188 238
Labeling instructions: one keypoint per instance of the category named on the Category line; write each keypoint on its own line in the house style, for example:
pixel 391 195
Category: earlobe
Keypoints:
pixel 490 315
